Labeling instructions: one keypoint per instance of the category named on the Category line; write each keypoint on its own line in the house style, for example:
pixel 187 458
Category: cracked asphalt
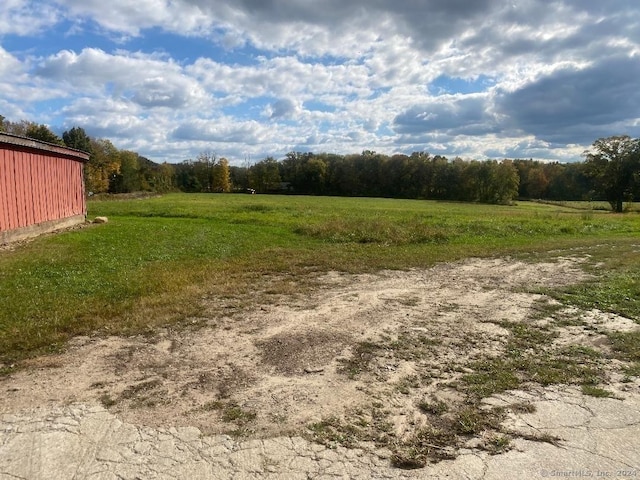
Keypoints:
pixel 600 437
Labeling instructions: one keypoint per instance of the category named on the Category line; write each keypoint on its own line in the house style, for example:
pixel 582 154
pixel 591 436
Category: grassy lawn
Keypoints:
pixel 157 256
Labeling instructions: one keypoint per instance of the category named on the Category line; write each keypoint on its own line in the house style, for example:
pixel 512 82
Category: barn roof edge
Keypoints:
pixel 17 140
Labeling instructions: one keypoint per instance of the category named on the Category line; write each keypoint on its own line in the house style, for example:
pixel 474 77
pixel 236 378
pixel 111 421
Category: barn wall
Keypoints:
pixel 39 190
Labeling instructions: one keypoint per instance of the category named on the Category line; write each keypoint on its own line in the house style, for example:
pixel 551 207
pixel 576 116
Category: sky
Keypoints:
pixel 247 79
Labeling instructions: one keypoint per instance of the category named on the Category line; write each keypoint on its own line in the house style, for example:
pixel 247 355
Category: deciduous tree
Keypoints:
pixel 221 176
pixel 265 175
pixel 102 166
pixel 128 178
pixel 614 166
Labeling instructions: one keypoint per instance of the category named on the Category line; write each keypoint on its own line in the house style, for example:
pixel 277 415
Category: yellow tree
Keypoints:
pixel 221 176
pixel 102 166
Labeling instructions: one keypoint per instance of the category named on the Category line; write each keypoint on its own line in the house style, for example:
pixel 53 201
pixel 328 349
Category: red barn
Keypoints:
pixel 41 187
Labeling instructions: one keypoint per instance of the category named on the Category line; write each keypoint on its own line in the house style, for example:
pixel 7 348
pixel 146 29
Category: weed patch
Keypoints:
pixel 234 413
pixel 541 437
pixel 135 390
pixel 107 401
pixel 427 444
pixel 213 405
pixel 522 407
pixel 530 357
pixel 332 432
pixel 491 377
pixel 525 336
pixel 626 344
pixel 597 392
pixel 472 421
pixel 377 230
pixel 411 345
pixel 434 407
pixel 616 288
pixel 632 370
pixel 437 440
pixel 497 444
pixel 359 361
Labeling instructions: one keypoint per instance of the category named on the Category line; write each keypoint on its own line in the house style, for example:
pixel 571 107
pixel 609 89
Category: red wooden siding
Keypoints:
pixel 39 183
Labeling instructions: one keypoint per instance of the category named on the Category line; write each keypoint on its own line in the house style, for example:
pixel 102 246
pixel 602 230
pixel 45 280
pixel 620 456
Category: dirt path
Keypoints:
pixel 368 362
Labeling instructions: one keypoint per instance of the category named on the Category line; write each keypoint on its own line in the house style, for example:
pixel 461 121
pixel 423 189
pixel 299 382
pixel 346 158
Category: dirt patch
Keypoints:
pixel 299 353
pixel 385 361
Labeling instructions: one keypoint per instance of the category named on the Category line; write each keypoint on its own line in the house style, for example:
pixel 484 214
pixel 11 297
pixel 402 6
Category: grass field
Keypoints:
pixel 157 256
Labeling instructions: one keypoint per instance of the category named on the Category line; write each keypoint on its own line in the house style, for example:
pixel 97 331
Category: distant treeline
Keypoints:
pixel 419 175
pixel 612 173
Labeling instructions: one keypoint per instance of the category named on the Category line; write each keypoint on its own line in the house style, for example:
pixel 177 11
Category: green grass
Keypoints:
pixel 158 256
pixel 597 205
pixel 626 344
pixel 234 413
pixel 616 285
pixel 596 391
pixel 490 377
pixel 436 407
pixel 529 357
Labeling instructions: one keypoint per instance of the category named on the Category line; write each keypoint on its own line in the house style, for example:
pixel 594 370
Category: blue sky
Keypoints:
pixel 254 78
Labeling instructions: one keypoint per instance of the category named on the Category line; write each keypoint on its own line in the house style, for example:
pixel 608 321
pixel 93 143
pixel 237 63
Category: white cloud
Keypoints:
pixel 148 80
pixel 221 130
pixel 131 18
pixel 283 108
pixel 332 75
pixel 9 65
pixel 26 17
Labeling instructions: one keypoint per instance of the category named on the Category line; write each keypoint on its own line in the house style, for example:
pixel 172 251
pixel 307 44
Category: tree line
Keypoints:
pixel 372 174
pixel 610 172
